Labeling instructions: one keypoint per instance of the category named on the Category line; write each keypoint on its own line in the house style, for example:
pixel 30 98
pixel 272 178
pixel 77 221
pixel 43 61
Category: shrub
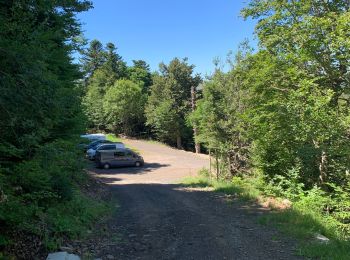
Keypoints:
pixel 43 197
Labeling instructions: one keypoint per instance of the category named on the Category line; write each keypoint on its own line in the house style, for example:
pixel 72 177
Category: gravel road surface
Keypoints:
pixel 159 219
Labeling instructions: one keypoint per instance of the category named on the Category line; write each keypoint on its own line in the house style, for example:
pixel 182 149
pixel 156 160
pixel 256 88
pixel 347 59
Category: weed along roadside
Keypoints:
pixel 302 216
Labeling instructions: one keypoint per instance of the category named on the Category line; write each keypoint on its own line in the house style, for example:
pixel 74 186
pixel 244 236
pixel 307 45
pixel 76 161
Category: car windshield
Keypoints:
pixel 106 147
pixel 94 143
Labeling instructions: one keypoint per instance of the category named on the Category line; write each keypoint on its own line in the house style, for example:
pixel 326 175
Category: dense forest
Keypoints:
pixel 133 101
pixel 280 114
pixel 41 173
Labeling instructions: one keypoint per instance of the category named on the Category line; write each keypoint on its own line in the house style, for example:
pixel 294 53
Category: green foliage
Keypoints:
pixel 114 67
pixel 123 105
pixel 113 138
pixel 42 195
pixel 298 100
pixel 140 73
pixel 289 187
pixel 40 114
pixel 39 100
pixel 243 188
pixel 306 218
pixel 104 101
pixel 169 102
pixel 309 216
pixel 93 99
pixel 85 210
pixel 286 106
pixel 96 57
pixel 219 119
pixel 93 58
pixel 283 112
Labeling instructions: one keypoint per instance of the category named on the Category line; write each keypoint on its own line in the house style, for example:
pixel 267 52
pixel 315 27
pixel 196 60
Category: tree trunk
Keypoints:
pixel 217 166
pixel 322 167
pixel 197 145
pixel 178 142
pixel 210 162
pixel 229 165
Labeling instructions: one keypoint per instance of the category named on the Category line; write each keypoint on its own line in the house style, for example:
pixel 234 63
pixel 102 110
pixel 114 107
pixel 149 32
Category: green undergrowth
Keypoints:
pixel 47 197
pixel 245 190
pixel 74 218
pixel 306 217
pixel 113 138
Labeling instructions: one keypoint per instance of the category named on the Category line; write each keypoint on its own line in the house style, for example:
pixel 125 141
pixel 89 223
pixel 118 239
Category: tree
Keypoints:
pixel 93 58
pixel 114 66
pixel 93 99
pixel 219 117
pixel 140 73
pixel 298 89
pixel 170 101
pixel 108 67
pixel 312 34
pixel 38 93
pixel 123 106
pixel 294 124
pixel 39 111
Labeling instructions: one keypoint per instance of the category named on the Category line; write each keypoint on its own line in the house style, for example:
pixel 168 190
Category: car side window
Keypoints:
pixel 106 147
pixel 119 154
pixel 129 154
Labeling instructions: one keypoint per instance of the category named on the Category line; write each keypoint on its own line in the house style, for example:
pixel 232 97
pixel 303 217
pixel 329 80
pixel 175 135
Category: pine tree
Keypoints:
pixel 170 101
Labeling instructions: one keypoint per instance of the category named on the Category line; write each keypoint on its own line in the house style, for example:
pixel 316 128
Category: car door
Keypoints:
pixel 129 158
pixel 120 158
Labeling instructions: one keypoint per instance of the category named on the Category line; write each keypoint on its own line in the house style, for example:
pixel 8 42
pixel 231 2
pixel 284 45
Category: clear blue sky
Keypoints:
pixel 159 30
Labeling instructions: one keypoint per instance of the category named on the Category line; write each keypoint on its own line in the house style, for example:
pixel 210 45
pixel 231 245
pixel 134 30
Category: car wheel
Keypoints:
pixel 106 166
pixel 137 164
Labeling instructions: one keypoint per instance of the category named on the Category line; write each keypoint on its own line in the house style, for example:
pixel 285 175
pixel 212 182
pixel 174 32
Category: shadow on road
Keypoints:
pixel 171 221
pixel 146 168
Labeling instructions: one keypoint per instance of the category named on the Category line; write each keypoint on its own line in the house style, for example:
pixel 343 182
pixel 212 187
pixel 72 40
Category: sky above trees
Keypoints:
pixel 157 30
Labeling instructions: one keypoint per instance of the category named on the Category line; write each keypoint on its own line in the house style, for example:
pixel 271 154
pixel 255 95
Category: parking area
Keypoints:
pixel 162 165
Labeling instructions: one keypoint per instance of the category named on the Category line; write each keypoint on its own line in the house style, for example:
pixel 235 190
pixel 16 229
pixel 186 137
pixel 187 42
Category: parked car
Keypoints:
pixel 95 144
pixel 93 137
pixel 104 147
pixel 86 145
pixel 120 157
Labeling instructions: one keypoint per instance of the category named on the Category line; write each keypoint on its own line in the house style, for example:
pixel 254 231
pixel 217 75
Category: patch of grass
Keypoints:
pixel 113 138
pixel 302 221
pixel 197 182
pixel 241 188
pixel 156 142
pixel 75 218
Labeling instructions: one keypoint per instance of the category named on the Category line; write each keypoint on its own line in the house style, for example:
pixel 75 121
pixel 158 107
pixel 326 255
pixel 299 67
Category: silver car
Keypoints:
pixel 90 153
pixel 119 157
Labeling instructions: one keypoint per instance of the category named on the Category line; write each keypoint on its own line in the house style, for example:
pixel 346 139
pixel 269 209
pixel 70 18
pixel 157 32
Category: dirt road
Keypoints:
pixel 159 219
